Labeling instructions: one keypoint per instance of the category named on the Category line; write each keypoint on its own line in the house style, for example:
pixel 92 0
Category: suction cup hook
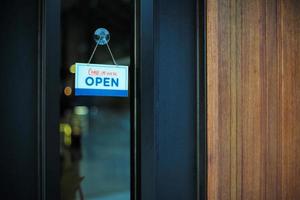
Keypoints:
pixel 102 36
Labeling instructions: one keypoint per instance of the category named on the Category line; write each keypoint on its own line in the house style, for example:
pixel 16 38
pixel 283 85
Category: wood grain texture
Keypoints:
pixel 253 91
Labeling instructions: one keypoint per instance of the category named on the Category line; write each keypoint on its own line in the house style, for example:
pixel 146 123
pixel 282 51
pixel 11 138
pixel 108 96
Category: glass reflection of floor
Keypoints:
pixel 104 159
pixel 106 155
pixel 120 196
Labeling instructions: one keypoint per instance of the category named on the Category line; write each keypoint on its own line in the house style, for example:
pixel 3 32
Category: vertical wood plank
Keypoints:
pixel 212 94
pixel 272 102
pixel 251 102
pixel 290 22
pixel 224 101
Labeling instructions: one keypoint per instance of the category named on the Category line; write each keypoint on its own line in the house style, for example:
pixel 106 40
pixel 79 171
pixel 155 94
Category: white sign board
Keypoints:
pixel 101 80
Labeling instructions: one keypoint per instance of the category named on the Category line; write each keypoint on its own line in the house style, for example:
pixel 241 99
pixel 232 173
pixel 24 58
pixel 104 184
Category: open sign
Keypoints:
pixel 101 80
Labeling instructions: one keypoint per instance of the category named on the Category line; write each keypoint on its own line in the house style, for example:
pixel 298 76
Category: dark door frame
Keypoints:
pixel 48 101
pixel 165 164
pixel 158 135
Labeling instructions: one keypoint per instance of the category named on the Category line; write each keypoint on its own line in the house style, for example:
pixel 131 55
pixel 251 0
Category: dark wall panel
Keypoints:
pixel 29 76
pixel 18 102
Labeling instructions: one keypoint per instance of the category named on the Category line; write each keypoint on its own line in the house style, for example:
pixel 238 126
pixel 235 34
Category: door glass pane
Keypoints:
pixel 94 130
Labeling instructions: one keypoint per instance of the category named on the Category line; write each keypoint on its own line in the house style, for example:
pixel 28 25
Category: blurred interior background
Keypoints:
pixel 94 131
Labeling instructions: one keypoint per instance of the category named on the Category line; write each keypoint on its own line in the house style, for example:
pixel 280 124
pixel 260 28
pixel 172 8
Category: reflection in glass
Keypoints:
pixel 94 131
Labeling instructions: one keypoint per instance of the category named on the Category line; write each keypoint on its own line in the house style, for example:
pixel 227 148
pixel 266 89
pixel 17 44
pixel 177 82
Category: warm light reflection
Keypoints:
pixel 66 129
pixel 67 140
pixel 68 91
pixel 72 69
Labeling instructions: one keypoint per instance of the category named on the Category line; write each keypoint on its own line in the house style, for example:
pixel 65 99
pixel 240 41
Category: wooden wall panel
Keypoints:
pixel 290 62
pixel 253 91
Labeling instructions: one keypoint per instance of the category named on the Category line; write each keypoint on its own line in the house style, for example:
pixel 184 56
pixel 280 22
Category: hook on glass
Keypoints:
pixel 101 36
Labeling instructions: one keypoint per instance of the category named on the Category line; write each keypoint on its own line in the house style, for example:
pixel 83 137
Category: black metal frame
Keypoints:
pixel 48 99
pixel 134 163
pixel 201 101
pixel 143 56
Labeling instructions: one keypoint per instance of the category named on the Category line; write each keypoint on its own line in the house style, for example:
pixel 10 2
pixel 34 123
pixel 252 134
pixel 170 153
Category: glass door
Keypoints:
pixel 94 130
